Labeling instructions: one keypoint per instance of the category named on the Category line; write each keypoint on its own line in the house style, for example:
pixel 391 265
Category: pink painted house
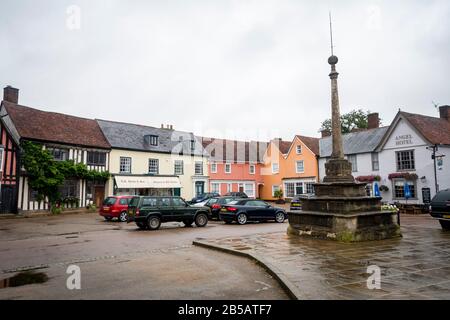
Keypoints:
pixel 235 166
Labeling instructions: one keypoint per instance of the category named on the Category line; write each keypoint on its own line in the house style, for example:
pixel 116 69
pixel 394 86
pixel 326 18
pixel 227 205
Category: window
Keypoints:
pixel 177 202
pixel 179 167
pixel 153 166
pixel 198 168
pixel 149 202
pixel 353 160
pixel 275 168
pixel 229 187
pixel 165 202
pixel 310 187
pixel 69 189
pixel 59 154
pixel 289 188
pixel 249 189
pixel 405 160
pixel 275 189
pixel 125 165
pixel 154 140
pixel 227 167
pixel 399 189
pixel 299 188
pixel 375 162
pixel 213 167
pixel 123 202
pixel 192 145
pixel 299 149
pixel 96 158
pixel 300 166
pixel 256 203
pixel 215 187
pixel 252 169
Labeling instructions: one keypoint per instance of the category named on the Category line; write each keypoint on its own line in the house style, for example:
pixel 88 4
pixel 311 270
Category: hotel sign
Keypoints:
pixel 405 139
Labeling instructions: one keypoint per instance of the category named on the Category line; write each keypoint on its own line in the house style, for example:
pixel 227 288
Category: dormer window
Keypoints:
pixel 192 145
pixel 151 140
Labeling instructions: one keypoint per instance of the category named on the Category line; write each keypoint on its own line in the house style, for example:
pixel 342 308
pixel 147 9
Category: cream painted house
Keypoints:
pixel 154 161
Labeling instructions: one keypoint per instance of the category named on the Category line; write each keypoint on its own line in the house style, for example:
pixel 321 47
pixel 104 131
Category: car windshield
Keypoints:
pixel 109 201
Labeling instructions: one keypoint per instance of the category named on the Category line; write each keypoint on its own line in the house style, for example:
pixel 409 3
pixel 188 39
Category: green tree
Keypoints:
pixel 355 119
pixel 42 170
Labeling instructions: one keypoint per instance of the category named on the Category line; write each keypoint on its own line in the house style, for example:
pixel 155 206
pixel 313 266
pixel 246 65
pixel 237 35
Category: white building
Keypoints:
pixel 400 154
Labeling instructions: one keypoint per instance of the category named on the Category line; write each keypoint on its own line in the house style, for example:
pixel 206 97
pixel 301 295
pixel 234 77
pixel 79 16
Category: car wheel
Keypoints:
pixel 445 224
pixel 123 216
pixel 279 217
pixel 201 220
pixel 141 225
pixel 242 218
pixel 108 218
pixel 153 223
pixel 187 223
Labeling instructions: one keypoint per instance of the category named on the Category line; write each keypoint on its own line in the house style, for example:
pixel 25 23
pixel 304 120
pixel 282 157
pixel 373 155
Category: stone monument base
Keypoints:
pixel 352 227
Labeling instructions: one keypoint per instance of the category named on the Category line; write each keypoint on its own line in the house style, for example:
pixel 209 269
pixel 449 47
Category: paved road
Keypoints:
pixel 119 261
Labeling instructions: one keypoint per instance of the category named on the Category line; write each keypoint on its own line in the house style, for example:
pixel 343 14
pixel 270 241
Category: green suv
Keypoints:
pixel 149 212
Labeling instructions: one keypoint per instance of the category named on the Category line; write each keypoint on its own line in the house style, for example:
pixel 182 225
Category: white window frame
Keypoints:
pixel 296 166
pixel 229 187
pixel 157 166
pixel 124 165
pixel 250 192
pixel 250 169
pixel 273 189
pixel 277 170
pixel 355 166
pixel 178 163
pixel 213 167
pixel 215 187
pixel 299 149
pixel 375 159
pixel 197 165
pixel 227 165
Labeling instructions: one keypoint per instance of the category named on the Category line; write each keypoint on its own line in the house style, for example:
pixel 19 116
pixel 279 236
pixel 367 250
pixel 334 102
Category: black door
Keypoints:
pixel 8 202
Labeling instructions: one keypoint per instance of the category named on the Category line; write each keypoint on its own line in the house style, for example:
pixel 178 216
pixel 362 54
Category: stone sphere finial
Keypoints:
pixel 333 60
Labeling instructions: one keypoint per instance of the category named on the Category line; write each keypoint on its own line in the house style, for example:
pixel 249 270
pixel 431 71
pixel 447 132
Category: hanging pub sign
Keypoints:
pixel 439 162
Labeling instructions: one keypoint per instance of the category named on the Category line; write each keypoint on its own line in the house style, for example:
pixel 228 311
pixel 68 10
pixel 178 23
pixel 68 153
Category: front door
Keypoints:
pixel 199 188
pixel 99 196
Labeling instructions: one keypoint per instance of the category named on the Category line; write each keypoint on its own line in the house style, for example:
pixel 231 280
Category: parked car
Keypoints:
pixel 204 197
pixel 237 195
pixel 296 204
pixel 215 204
pixel 440 208
pixel 150 212
pixel 115 207
pixel 245 210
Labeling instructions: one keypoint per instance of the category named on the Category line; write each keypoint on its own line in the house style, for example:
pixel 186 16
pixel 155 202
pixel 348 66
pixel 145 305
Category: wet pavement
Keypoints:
pixel 119 261
pixel 416 266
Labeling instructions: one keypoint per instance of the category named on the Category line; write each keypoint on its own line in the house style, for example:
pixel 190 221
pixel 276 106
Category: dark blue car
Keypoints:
pixel 245 210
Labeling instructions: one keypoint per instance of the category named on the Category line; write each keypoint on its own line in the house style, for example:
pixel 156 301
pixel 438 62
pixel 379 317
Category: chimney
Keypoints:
pixel 373 121
pixel 11 94
pixel 162 126
pixel 325 133
pixel 444 112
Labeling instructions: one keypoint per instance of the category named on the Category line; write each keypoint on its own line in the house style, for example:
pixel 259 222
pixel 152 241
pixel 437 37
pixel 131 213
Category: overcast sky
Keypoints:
pixel 237 69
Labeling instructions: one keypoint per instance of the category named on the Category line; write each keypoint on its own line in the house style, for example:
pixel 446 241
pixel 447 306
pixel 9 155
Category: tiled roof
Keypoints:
pixel 55 127
pixel 284 146
pixel 234 151
pixel 355 142
pixel 311 143
pixel 131 136
pixel 435 130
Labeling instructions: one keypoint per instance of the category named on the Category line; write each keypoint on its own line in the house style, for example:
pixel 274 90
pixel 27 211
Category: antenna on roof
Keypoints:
pixel 436 105
pixel 331 35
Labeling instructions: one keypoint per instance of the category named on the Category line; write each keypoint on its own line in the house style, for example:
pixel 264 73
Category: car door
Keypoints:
pixel 180 209
pixel 265 211
pixel 252 210
pixel 166 208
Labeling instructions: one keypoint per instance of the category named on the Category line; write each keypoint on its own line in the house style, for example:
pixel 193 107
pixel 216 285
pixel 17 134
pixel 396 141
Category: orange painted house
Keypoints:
pixel 235 166
pixel 291 167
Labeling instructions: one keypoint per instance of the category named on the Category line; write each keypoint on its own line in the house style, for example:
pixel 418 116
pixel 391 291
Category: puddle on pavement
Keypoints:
pixel 24 278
